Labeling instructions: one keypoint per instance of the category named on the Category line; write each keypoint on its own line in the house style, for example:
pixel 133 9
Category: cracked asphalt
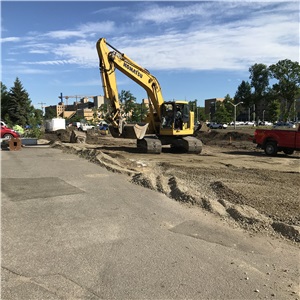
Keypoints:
pixel 72 229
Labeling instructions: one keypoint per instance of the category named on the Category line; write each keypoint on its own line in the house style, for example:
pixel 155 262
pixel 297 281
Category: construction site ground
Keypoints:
pixel 231 178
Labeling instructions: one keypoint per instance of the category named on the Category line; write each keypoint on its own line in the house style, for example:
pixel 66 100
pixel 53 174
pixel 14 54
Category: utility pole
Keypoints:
pixel 42 106
pixel 196 114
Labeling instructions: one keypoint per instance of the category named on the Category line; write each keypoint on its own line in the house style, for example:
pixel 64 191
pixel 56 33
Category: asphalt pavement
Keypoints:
pixel 73 230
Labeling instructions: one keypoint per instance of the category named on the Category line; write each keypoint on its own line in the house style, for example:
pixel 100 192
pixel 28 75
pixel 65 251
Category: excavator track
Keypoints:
pixel 192 145
pixel 189 144
pixel 150 145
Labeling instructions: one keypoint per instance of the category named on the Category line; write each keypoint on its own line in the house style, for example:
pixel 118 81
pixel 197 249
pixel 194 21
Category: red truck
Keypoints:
pixel 276 140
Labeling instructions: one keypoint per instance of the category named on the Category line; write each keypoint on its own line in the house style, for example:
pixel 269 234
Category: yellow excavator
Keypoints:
pixel 167 123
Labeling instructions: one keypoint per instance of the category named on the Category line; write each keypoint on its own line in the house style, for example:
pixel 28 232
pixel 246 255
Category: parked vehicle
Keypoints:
pixel 75 124
pixel 265 123
pixel 85 127
pixel 276 140
pixel 284 124
pixel 3 124
pixel 217 126
pixel 8 133
pixel 250 123
pixel 55 124
pixel 237 123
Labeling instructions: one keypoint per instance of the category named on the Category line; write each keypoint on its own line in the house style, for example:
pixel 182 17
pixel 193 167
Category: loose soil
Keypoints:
pixel 231 178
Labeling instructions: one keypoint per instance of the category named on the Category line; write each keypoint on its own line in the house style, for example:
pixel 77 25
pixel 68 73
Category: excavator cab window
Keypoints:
pixel 178 117
pixel 186 114
pixel 182 116
pixel 176 114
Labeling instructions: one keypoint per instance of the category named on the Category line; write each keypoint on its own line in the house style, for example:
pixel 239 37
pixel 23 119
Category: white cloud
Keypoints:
pixel 170 13
pixel 94 27
pixel 24 70
pixel 238 35
pixel 10 39
pixel 63 34
pixel 228 43
pixel 82 30
pixel 50 62
pixel 81 52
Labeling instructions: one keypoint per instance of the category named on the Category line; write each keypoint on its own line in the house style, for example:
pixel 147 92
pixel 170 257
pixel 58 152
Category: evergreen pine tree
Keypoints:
pixel 4 103
pixel 19 107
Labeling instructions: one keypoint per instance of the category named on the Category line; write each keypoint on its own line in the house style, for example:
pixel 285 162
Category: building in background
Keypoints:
pixel 83 108
pixel 210 107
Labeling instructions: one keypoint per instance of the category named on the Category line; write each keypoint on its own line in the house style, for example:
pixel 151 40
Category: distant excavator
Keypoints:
pixel 167 123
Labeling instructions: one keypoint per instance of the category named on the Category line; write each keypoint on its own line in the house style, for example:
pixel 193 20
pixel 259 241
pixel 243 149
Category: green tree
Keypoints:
pixel 273 110
pixel 224 110
pixel 226 103
pixel 244 94
pixel 128 102
pixel 37 117
pixel 19 107
pixel 35 120
pixel 287 86
pixel 4 103
pixel 201 114
pixel 51 113
pixel 103 110
pixel 135 115
pixel 144 111
pixel 259 75
pixel 222 115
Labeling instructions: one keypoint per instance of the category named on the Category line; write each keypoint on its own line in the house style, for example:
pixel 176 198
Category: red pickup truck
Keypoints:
pixel 276 140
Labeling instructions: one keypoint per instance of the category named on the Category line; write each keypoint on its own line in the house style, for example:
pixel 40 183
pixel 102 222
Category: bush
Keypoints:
pixel 34 132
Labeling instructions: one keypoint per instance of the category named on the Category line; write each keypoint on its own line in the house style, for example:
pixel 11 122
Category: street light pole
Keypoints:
pixel 235 105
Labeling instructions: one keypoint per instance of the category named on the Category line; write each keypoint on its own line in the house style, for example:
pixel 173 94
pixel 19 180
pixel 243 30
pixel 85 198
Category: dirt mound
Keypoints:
pixel 215 137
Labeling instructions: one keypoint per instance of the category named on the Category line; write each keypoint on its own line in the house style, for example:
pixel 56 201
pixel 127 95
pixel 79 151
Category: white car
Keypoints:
pixel 217 126
pixel 251 123
pixel 265 123
pixel 3 124
pixel 237 123
pixel 85 127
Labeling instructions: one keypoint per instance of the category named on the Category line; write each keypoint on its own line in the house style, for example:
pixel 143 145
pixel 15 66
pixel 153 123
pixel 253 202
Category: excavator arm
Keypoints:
pixel 114 59
pixel 109 83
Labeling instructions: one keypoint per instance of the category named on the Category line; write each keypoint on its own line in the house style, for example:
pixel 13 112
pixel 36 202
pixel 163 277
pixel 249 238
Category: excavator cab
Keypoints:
pixel 176 117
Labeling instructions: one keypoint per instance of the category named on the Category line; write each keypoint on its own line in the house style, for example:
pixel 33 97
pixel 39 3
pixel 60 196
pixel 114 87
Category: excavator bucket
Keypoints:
pixel 129 131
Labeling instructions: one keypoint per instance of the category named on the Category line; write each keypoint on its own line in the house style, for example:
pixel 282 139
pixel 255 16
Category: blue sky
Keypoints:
pixel 196 50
